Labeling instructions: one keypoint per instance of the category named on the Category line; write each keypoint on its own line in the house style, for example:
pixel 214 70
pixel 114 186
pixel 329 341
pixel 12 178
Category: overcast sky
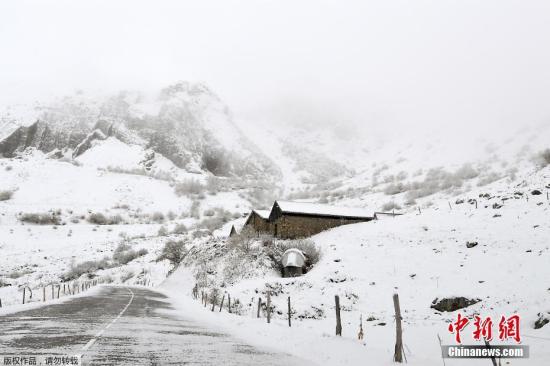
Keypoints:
pixel 385 63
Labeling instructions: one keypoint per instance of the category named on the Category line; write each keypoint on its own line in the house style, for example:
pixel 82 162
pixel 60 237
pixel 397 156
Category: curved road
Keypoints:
pixel 125 326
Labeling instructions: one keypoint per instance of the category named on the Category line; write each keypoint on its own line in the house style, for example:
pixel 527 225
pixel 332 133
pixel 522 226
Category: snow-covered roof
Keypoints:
pixel 264 214
pixel 322 210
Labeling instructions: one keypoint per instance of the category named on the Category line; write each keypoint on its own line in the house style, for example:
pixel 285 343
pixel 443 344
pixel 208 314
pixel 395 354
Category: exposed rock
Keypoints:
pixel 471 244
pixel 496 206
pixel 536 192
pixel 453 303
pixel 87 142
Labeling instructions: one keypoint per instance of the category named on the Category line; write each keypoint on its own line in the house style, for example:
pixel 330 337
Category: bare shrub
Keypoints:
pixel 243 241
pixel 163 231
pixel 214 185
pixel 100 219
pixel 395 188
pixel 544 158
pixel 41 218
pixel 195 209
pixel 124 254
pixel 86 267
pixel 179 229
pixel 209 212
pixel 158 217
pixel 17 274
pixel 6 195
pixel 211 223
pixel 188 187
pixel 173 251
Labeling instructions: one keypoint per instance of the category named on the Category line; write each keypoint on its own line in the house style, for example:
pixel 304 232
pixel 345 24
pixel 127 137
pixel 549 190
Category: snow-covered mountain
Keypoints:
pixel 186 123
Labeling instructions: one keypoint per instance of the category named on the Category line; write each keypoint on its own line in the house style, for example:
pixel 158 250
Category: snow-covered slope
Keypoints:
pixel 422 256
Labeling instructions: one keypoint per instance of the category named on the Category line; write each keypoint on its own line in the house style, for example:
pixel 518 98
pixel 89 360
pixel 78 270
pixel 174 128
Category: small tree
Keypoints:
pixel 243 241
pixel 174 251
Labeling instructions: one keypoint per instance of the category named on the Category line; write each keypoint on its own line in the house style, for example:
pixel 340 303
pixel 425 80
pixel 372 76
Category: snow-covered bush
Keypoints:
pixel 544 158
pixel 100 219
pixel 41 218
pixel 158 217
pixel 179 229
pixel 124 254
pixel 188 187
pixel 87 267
pixel 163 231
pixel 173 251
pixel 209 212
pixel 395 188
pixel 243 242
pixel 389 206
pixel 5 195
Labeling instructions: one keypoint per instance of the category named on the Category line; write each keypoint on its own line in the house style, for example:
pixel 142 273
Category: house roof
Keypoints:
pixel 264 214
pixel 322 210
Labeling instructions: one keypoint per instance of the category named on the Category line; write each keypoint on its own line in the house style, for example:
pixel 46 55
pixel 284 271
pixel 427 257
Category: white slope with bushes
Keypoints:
pixel 420 256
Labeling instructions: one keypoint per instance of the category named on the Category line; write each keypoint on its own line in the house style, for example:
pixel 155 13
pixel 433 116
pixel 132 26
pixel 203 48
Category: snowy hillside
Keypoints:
pixel 108 186
pixel 422 257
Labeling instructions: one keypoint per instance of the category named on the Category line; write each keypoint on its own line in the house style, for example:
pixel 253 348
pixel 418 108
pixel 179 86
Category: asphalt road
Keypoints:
pixel 125 326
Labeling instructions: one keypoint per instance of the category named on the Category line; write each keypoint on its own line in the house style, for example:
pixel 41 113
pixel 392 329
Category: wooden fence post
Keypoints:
pixel 0 303
pixel 259 304
pixel 221 304
pixel 24 294
pixel 398 354
pixel 58 290
pixel 493 359
pixel 53 291
pixel 43 293
pixel 451 207
pixel 338 319
pixel 268 307
pixel 289 313
pixel 229 303
pixel 205 299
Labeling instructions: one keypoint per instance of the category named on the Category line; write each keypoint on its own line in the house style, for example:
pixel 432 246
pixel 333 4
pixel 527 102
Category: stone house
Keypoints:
pixel 258 220
pixel 290 220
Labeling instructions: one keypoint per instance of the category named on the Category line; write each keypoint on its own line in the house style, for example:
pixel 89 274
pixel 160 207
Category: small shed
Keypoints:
pixel 293 262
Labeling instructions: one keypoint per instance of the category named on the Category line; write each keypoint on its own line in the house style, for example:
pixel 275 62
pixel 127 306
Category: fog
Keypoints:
pixel 381 65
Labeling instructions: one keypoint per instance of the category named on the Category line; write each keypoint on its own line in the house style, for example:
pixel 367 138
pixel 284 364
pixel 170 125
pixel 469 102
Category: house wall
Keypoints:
pixel 259 224
pixel 294 226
